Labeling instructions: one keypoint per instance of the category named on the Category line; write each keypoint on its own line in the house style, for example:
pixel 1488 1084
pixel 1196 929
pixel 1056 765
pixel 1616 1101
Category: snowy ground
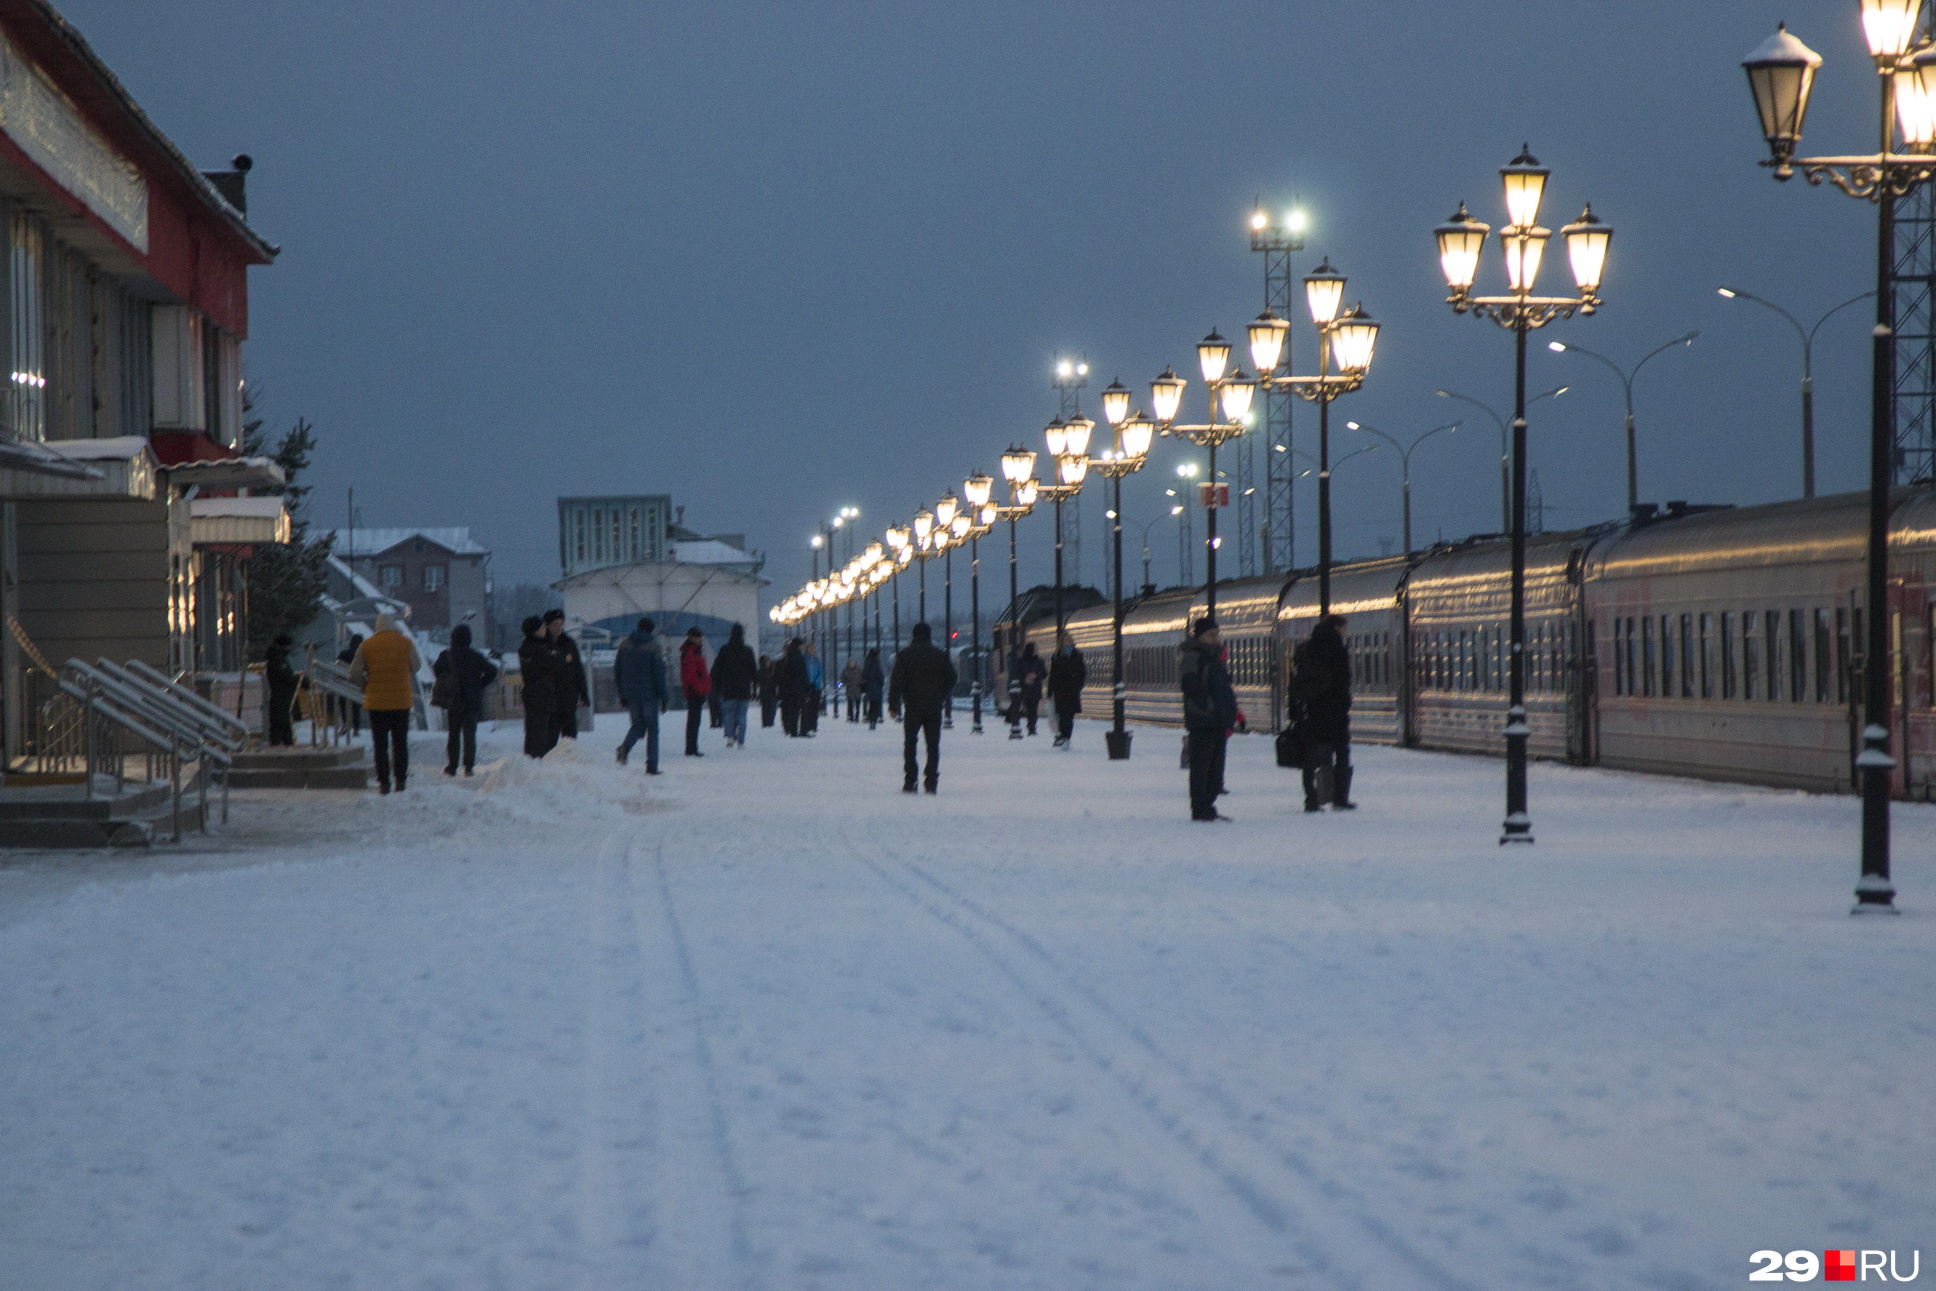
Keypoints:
pixel 763 1022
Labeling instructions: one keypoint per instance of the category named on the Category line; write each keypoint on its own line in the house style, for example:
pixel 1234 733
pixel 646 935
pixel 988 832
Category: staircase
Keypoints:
pixel 56 812
pixel 341 767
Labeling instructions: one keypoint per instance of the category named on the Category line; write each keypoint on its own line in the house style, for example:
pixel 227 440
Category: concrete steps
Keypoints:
pixel 42 815
pixel 342 767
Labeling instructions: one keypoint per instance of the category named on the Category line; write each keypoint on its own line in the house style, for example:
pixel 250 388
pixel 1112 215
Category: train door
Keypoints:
pixel 1580 674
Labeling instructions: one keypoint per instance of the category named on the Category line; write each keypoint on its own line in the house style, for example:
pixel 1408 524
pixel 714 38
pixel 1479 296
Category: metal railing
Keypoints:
pixel 330 699
pixel 132 718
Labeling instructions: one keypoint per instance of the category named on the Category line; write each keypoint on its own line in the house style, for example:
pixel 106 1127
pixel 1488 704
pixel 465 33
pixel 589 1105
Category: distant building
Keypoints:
pixel 443 575
pixel 679 578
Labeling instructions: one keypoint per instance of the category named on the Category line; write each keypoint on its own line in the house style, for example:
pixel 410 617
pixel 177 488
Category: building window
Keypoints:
pixel 433 578
pixel 390 576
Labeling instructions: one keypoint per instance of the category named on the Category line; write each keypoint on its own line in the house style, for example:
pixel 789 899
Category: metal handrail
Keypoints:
pixel 103 701
pixel 180 725
pixel 218 736
pixel 237 730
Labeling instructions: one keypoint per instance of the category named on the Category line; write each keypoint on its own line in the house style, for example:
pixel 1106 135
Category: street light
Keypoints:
pixel 1068 443
pixel 1626 385
pixel 1404 464
pixel 1230 388
pixel 1018 468
pixel 1781 73
pixel 1133 436
pixel 1807 336
pixel 1349 339
pixel 1460 242
pixel 980 518
pixel 1505 444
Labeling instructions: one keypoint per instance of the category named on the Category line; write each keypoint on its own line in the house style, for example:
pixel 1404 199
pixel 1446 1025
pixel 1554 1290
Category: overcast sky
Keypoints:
pixel 773 258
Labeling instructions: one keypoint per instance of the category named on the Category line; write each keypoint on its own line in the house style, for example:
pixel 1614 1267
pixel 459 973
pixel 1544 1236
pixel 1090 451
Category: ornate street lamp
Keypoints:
pixel 1068 443
pixel 1460 241
pixel 1233 390
pixel 1134 434
pixel 1347 339
pixel 1781 73
pixel 976 490
pixel 923 532
pixel 1018 468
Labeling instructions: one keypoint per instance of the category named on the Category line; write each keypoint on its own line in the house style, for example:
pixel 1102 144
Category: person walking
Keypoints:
pixel 696 684
pixel 793 688
pixel 850 684
pixel 1209 711
pixel 1321 689
pixel 1031 674
pixel 735 673
pixel 355 711
pixel 281 690
pixel 386 667
pixel 470 672
pixel 571 689
pixel 917 691
pixel 1068 674
pixel 816 690
pixel 639 672
pixel 872 679
pixel 538 682
pixel 769 689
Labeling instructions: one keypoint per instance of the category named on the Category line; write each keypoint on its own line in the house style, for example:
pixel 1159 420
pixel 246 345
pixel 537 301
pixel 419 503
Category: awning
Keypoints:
pixel 233 522
pixel 227 473
pixel 121 468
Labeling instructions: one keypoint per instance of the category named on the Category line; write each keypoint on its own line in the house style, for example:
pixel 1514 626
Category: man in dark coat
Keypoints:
pixel 538 677
pixel 791 683
pixel 639 672
pixel 1029 673
pixel 769 689
pixel 918 690
pixel 1209 712
pixel 1068 674
pixel 281 698
pixel 472 672
pixel 572 686
pixel 735 673
pixel 1321 704
pixel 873 679
pixel 344 657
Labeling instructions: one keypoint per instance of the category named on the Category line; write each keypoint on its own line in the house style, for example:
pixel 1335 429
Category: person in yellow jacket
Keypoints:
pixel 386 668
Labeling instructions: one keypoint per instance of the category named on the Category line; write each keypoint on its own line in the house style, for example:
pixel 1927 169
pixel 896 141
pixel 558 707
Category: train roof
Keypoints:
pixel 1798 532
pixel 1361 587
pixel 1243 604
pixel 1167 611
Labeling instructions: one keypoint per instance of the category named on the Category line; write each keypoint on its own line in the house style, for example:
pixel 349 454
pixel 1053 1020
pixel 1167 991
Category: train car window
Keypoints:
pixel 1619 658
pixel 1773 639
pixel 1895 652
pixel 1647 655
pixel 1727 654
pixel 1797 658
pixel 1750 655
pixel 1687 656
pixel 1822 656
pixel 1707 655
pixel 1667 656
pixel 1842 655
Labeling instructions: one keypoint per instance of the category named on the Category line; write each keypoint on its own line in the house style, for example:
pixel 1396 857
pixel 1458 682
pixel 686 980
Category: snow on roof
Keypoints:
pixel 710 551
pixel 258 507
pixel 120 448
pixel 374 542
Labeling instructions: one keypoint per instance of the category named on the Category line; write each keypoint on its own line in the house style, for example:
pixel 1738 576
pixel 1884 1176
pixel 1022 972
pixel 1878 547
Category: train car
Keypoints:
pixel 1370 595
pixel 1247 621
pixel 1152 631
pixel 1458 610
pixel 1724 644
pixel 1912 632
pixel 1093 630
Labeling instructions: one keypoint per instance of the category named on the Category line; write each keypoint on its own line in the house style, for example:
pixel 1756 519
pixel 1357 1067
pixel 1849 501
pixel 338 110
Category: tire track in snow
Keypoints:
pixel 1240 1153
pixel 657 1135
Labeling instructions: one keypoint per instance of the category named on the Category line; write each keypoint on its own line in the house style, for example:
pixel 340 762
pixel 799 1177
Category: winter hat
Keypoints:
pixel 1203 625
pixel 384 623
pixel 923 632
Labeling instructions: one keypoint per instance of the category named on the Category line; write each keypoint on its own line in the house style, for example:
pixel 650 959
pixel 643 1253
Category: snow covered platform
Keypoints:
pixel 765 1022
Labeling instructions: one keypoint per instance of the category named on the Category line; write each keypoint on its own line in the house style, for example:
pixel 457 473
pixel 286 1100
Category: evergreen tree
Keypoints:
pixel 286 580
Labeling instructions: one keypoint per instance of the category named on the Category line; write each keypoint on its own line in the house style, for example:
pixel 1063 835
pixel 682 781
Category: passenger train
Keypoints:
pixel 1723 643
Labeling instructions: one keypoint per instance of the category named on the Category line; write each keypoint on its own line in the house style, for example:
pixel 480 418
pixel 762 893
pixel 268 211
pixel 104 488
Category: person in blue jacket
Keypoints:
pixel 640 673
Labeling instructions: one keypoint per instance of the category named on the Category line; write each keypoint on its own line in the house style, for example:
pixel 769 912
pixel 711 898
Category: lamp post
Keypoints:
pixel 1626 385
pixel 946 511
pixel 923 531
pixel 1807 337
pixel 1460 242
pixel 1781 73
pixel 897 537
pixel 977 489
pixel 1347 338
pixel 1404 464
pixel 1505 444
pixel 1018 468
pixel 1068 443
pixel 1233 389
pixel 1134 434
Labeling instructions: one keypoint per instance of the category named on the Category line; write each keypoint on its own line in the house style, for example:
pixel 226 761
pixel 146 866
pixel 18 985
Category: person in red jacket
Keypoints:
pixel 697 683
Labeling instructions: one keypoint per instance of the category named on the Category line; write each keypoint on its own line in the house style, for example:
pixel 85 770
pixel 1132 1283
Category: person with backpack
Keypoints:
pixel 462 675
pixel 735 674
pixel 697 684
pixel 1321 711
pixel 1209 712
pixel 639 672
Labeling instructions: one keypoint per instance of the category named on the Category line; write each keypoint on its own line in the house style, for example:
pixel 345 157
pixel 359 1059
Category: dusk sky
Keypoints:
pixel 776 258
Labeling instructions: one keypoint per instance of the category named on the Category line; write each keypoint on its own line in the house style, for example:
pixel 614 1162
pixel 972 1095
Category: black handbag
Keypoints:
pixel 1290 748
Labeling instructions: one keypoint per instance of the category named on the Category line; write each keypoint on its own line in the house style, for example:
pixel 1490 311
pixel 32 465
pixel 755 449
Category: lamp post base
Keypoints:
pixel 1118 742
pixel 1874 894
pixel 1518 829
